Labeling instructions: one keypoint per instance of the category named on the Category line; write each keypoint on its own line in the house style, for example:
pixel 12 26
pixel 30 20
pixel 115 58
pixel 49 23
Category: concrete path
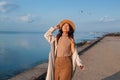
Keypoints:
pixel 102 61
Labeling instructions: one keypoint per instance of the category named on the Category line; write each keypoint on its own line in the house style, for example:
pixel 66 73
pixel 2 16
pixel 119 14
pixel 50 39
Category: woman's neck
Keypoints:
pixel 65 33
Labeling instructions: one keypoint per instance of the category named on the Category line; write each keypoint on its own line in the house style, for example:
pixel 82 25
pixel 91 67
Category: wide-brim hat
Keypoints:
pixel 67 21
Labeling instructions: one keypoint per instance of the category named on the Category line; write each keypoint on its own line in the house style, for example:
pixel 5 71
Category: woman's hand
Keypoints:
pixel 81 67
pixel 57 26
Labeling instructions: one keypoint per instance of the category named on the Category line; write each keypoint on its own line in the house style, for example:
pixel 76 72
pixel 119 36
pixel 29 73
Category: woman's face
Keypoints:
pixel 65 27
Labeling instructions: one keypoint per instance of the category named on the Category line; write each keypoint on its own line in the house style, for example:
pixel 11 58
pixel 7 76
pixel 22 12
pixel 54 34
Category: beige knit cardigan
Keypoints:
pixel 76 61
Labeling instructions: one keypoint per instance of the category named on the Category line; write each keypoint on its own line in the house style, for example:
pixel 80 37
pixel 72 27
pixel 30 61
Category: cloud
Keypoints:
pixel 27 18
pixel 107 19
pixel 7 7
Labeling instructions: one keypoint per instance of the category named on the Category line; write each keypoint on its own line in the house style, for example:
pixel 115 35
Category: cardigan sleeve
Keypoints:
pixel 49 36
pixel 78 60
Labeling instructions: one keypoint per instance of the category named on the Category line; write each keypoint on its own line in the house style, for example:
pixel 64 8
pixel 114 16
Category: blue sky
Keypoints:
pixel 39 15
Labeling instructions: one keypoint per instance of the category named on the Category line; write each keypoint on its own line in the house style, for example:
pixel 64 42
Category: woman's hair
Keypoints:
pixel 70 33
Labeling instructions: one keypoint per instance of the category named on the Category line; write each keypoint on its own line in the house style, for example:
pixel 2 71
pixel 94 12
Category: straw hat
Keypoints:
pixel 67 21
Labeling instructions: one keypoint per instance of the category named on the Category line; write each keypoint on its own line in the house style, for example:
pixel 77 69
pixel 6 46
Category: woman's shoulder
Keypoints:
pixel 72 41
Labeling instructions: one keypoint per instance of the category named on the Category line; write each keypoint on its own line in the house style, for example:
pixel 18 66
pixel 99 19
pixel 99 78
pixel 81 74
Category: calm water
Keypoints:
pixel 21 51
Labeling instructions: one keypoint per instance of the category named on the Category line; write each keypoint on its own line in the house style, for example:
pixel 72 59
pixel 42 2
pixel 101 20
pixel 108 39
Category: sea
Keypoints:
pixel 20 51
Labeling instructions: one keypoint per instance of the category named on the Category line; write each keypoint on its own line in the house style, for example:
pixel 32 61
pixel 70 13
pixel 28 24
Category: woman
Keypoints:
pixel 63 56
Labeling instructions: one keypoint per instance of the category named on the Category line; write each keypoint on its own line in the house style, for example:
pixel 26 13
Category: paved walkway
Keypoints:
pixel 102 61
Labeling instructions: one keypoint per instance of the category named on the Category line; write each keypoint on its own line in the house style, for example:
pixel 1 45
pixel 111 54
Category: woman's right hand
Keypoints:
pixel 57 26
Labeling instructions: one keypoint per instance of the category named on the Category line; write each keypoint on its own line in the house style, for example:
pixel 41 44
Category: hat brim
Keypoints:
pixel 69 22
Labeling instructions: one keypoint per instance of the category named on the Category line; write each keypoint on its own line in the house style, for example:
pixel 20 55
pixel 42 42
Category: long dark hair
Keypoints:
pixel 70 33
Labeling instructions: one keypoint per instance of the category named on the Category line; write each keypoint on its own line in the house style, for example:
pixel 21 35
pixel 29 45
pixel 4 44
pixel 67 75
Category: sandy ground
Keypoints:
pixel 102 61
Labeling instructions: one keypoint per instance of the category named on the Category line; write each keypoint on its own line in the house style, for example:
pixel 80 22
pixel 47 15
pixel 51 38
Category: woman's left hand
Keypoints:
pixel 81 67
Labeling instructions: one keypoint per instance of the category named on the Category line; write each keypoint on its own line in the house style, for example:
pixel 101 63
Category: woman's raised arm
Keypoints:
pixel 49 36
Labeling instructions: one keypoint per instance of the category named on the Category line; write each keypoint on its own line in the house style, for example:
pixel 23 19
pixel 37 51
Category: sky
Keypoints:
pixel 40 15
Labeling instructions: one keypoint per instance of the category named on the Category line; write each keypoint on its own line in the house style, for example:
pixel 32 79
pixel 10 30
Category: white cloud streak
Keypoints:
pixel 26 18
pixel 107 19
pixel 7 7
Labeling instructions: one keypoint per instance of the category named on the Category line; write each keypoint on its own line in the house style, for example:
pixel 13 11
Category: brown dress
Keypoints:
pixel 63 61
